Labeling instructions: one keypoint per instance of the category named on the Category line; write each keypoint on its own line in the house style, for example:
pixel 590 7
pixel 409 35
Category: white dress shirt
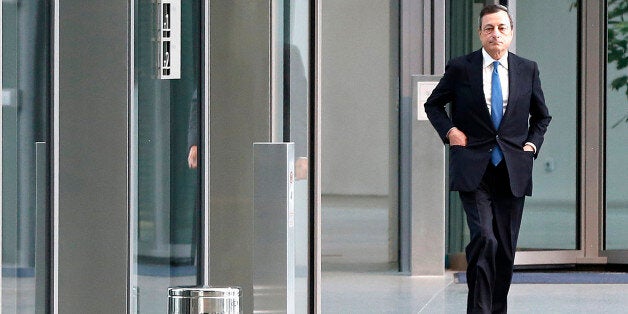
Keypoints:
pixel 487 77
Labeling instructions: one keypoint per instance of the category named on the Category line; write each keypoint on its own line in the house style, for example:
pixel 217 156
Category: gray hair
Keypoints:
pixel 494 8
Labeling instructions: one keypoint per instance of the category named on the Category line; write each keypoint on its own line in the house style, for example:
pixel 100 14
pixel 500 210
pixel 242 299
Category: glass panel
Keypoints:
pixel 25 133
pixel 461 39
pixel 550 215
pixel 296 129
pixel 617 127
pixel 165 186
pixel 360 135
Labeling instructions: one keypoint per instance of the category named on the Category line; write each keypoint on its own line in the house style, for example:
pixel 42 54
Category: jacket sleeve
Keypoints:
pixel 440 97
pixel 539 114
pixel 193 121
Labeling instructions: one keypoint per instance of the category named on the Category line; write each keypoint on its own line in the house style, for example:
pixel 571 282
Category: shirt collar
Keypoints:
pixel 488 60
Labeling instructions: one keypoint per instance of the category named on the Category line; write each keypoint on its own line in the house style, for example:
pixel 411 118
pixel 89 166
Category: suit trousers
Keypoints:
pixel 494 219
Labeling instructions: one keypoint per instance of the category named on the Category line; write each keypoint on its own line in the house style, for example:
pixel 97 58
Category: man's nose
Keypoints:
pixel 496 34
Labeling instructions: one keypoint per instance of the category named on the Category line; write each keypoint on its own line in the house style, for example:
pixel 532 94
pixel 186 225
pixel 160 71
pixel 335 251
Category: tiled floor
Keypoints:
pixel 355 239
pixel 357 279
pixel 389 292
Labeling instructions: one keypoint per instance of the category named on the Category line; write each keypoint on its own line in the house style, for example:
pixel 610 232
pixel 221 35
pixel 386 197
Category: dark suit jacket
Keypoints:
pixel 525 120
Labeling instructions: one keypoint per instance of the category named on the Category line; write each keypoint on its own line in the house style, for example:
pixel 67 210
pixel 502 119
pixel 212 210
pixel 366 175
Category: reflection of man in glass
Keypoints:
pixel 296 123
pixel 192 159
pixel 193 142
pixel 295 115
pixel 193 133
pixel 295 109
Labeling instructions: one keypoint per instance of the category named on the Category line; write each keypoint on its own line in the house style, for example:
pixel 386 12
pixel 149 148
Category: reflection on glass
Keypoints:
pixel 550 215
pixel 165 171
pixel 296 59
pixel 617 127
pixel 24 146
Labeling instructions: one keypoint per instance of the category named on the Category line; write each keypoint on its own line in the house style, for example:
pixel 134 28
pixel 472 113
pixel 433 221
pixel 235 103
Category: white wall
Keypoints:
pixel 356 96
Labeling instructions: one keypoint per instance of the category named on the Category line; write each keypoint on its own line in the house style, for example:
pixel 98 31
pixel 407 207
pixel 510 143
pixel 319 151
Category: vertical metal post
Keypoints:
pixel 1 150
pixel 438 27
pixel 206 141
pixel 422 52
pixel 55 161
pixel 133 167
pixel 592 134
pixel 91 194
pixel 273 223
pixel 512 8
pixel 315 153
pixel 429 189
pixel 41 228
pixel 277 69
pixel 427 39
pixel 411 25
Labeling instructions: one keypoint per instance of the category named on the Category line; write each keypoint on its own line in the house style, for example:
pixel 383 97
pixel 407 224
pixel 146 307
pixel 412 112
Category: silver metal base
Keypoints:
pixel 204 300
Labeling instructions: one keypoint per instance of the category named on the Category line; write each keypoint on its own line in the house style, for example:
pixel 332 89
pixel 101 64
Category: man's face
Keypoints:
pixel 495 33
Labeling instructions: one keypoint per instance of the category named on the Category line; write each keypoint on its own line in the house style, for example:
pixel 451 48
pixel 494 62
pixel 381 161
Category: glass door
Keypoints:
pixel 551 219
pixel 296 129
pixel 165 154
pixel 616 127
pixel 25 146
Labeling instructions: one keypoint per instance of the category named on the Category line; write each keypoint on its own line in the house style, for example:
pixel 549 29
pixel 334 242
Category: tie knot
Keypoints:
pixel 495 65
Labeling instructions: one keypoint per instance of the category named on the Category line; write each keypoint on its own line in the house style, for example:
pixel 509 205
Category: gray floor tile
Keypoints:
pixel 346 292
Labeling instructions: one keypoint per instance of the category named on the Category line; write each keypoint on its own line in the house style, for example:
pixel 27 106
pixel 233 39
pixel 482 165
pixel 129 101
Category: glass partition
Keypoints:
pixel 25 146
pixel 461 39
pixel 616 126
pixel 296 129
pixel 165 161
pixel 550 219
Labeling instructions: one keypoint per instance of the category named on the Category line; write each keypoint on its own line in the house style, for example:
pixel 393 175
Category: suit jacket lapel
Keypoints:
pixel 474 71
pixel 513 75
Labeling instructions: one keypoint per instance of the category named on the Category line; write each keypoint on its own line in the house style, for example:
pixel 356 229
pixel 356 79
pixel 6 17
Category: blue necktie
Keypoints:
pixel 497 110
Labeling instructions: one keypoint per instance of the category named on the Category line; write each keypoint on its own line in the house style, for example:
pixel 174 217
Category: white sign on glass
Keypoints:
pixel 424 90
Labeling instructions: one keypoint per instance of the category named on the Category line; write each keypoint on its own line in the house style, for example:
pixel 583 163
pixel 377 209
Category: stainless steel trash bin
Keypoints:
pixel 204 300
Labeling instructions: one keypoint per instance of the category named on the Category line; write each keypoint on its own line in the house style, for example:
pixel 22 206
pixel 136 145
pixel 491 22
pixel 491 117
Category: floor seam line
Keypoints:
pixel 435 295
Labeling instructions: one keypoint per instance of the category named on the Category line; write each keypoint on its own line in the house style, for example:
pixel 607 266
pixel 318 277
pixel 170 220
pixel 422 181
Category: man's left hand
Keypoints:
pixel 528 148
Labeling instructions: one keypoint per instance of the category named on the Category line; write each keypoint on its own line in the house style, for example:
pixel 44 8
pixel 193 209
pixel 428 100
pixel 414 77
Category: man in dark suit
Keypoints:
pixel 495 130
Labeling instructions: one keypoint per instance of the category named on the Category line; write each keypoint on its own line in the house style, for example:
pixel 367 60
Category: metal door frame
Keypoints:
pixel 591 198
pixel 598 37
pixel 591 159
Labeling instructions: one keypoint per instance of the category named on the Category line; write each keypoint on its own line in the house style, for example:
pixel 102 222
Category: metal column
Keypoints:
pixel 274 243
